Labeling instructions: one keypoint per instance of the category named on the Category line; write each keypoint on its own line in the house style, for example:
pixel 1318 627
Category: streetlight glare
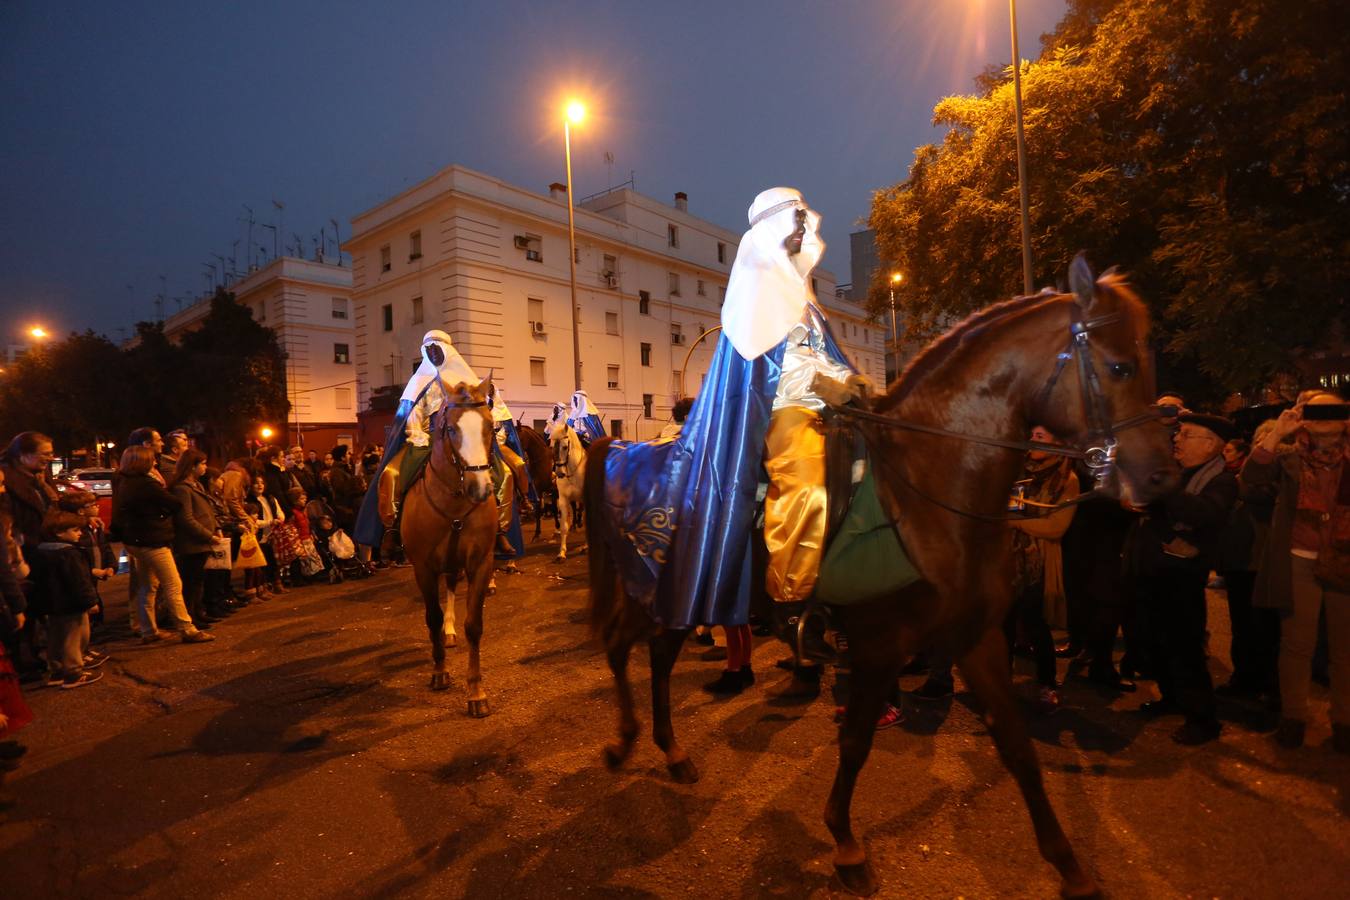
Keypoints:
pixel 38 332
pixel 897 277
pixel 576 112
pixel 265 432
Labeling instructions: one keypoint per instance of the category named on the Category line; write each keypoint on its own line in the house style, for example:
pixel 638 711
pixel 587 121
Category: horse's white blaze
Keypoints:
pixel 473 452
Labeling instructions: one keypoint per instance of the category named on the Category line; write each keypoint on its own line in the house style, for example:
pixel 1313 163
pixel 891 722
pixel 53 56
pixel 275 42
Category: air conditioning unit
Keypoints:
pixel 677 338
pixel 522 242
pixel 613 385
pixel 612 280
pixel 534 256
pixel 536 327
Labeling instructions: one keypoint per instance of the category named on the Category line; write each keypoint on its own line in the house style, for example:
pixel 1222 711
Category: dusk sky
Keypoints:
pixel 136 132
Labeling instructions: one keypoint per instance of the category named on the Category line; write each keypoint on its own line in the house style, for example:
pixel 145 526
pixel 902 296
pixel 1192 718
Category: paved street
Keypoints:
pixel 303 755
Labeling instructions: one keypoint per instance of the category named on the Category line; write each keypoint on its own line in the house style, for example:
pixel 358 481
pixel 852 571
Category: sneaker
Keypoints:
pixel 94 659
pixel 1049 700
pixel 726 684
pixel 197 637
pixel 81 680
pixel 152 637
pixel 890 716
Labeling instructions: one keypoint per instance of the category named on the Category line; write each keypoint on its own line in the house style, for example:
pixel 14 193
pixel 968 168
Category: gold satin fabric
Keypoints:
pixel 795 506
pixel 504 481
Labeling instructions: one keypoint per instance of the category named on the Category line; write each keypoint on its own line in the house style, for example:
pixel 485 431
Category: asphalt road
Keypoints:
pixel 303 755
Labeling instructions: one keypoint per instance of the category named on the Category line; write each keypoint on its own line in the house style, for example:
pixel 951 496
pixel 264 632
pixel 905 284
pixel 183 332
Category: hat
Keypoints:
pixel 340 451
pixel 1224 428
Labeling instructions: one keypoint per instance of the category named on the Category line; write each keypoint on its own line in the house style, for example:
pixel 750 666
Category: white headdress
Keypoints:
pixel 769 289
pixel 500 411
pixel 452 370
pixel 581 406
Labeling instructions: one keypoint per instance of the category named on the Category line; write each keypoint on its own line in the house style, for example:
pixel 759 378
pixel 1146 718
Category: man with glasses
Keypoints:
pixel 1172 551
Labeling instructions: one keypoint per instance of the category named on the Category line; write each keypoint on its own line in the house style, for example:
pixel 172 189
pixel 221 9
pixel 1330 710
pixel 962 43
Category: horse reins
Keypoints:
pixel 461 467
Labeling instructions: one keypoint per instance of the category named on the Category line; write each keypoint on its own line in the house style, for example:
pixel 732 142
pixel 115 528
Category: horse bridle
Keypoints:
pixel 561 454
pixel 1100 454
pixel 461 467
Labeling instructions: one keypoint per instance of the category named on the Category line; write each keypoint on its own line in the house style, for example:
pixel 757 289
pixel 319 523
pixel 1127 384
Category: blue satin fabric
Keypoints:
pixel 513 441
pixel 515 535
pixel 369 529
pixel 589 428
pixel 685 509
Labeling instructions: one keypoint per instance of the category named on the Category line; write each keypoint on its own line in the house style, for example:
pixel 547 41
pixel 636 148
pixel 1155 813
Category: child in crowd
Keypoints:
pixel 93 543
pixel 66 593
pixel 309 564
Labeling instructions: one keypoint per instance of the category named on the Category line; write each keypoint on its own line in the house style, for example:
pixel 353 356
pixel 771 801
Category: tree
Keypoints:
pixel 66 390
pixel 1203 145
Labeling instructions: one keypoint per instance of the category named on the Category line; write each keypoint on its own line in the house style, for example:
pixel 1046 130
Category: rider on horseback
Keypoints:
pixel 510 479
pixel 582 415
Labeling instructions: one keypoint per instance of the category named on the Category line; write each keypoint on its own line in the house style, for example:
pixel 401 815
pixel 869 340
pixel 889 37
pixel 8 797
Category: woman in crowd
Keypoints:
pixel 14 712
pixel 1305 567
pixel 195 532
pixel 143 517
pixel 220 598
pixel 266 512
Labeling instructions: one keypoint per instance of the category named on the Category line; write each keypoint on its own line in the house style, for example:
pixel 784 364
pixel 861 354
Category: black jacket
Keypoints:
pixel 1197 520
pixel 143 512
pixel 195 524
pixel 62 582
pixel 29 499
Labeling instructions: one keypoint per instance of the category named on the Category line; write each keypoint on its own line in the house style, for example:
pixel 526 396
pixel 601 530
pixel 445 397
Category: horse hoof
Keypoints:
pixel 451 639
pixel 615 755
pixel 440 681
pixel 560 558
pixel 478 708
pixel 684 771
pixel 857 879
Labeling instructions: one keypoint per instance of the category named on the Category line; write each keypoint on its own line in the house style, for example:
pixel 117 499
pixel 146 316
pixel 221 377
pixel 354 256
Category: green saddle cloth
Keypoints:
pixel 866 560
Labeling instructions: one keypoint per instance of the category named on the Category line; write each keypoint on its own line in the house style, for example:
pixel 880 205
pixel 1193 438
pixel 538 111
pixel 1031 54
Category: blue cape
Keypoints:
pixel 369 529
pixel 588 427
pixel 684 509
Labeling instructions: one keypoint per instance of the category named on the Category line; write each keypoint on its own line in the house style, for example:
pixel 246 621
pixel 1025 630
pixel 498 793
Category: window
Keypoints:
pixel 646 354
pixel 612 377
pixel 388 312
pixel 675 382
pixel 645 303
pixel 676 333
pixel 386 262
pixel 721 252
pixel 262 311
pixel 537 375
pixel 417 310
pixel 647 406
pixel 611 323
pixel 536 314
pixel 611 266
pixel 867 337
pixel 616 428
pixel 673 283
pixel 414 246
pixel 702 290
pixel 341 354
pixel 673 235
pixel 339 307
pixel 342 398
pixel 533 245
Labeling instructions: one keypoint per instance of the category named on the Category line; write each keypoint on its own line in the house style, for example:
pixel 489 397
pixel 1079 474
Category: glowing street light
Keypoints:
pixel 574 113
pixel 266 433
pixel 896 279
pixel 37 332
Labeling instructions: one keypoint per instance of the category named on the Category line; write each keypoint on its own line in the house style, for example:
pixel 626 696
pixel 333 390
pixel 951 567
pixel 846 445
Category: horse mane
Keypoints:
pixel 940 348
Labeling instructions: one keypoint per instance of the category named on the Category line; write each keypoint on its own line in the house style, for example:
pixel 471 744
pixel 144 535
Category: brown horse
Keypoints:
pixel 450 526
pixel 539 462
pixel 973 395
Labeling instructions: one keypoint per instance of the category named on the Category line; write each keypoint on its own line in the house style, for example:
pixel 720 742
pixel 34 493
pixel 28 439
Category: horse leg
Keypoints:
pixel 429 583
pixel 985 670
pixel 566 512
pixel 448 611
pixel 618 751
pixel 870 683
pixel 473 630
pixel 664 648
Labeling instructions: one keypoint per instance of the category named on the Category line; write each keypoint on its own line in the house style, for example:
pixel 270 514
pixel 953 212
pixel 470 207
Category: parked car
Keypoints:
pixel 99 481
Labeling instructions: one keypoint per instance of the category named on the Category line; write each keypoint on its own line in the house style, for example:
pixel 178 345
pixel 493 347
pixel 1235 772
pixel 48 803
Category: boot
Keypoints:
pixel 388 484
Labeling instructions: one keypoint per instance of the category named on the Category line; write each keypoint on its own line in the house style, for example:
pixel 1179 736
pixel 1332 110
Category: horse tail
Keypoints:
pixel 606 596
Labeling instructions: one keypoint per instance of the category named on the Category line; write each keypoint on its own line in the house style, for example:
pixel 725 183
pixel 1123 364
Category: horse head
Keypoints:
pixel 1103 402
pixel 464 437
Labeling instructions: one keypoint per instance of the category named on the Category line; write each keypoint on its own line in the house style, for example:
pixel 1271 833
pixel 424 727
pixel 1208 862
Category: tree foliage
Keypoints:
pixel 1202 145
pixel 219 382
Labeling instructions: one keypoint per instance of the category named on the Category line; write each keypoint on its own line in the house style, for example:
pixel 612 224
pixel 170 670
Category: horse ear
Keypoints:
pixel 1081 280
pixel 486 384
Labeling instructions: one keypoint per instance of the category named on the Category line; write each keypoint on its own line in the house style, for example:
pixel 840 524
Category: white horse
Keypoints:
pixel 569 469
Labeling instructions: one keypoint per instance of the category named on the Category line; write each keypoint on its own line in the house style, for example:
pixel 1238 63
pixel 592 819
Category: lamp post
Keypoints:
pixel 896 278
pixel 1021 152
pixel 575 113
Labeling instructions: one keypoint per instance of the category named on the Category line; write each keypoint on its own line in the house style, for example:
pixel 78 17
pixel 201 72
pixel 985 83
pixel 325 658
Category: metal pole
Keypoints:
pixel 1021 153
pixel 572 255
pixel 895 339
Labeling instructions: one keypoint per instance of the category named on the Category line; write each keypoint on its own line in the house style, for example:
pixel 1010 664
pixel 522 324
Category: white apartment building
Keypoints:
pixel 309 306
pixel 486 261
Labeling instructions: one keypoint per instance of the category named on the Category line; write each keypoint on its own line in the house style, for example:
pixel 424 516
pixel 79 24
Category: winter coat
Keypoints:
pixel 143 512
pixel 236 486
pixel 1183 518
pixel 12 600
pixel 62 582
pixel 1275 573
pixel 29 498
pixel 195 524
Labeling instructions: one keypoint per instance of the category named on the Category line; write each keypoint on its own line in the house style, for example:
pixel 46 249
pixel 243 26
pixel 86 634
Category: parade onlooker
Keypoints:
pixel 1305 568
pixel 736 675
pixel 63 590
pixel 1038 568
pixel 219 598
pixel 175 443
pixel 1172 549
pixel 14 712
pixel 265 512
pixel 24 466
pixel 148 437
pixel 93 543
pixel 301 474
pixel 194 533
pixel 143 517
pixel 345 488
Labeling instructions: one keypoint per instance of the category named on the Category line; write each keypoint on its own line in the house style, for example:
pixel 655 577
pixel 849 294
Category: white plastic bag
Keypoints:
pixel 340 545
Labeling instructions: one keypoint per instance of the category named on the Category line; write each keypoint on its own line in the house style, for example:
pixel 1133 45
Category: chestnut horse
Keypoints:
pixel 946 445
pixel 450 527
pixel 539 462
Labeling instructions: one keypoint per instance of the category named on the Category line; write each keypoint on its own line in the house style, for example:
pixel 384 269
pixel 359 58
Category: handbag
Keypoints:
pixel 250 553
pixel 219 558
pixel 340 545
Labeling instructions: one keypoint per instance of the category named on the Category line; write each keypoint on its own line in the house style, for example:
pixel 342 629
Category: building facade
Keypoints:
pixel 486 261
pixel 309 306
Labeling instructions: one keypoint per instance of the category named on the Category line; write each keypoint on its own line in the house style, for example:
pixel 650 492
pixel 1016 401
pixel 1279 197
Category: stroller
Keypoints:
pixel 337 552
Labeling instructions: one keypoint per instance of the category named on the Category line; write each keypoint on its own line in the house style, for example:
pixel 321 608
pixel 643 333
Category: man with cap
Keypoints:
pixel 409 446
pixel 1172 550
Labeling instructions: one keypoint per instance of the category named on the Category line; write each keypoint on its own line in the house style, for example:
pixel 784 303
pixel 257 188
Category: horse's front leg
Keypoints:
pixel 985 670
pixel 664 649
pixel 451 637
pixel 617 653
pixel 566 526
pixel 429 583
pixel 473 630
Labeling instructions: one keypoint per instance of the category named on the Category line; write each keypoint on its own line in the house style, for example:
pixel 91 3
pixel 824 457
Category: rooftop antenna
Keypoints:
pixel 249 245
pixel 299 245
pixel 275 248
pixel 262 255
pixel 323 243
pixel 224 275
pixel 337 241
pixel 609 169
pixel 314 239
pixel 234 252
pixel 281 220
pixel 212 267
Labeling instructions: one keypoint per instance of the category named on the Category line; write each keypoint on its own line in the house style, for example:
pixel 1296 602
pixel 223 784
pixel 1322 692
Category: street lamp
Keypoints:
pixel 38 333
pixel 575 113
pixel 266 433
pixel 1021 152
pixel 896 278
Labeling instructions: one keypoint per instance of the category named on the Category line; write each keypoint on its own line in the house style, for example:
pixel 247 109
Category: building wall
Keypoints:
pixel 477 276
